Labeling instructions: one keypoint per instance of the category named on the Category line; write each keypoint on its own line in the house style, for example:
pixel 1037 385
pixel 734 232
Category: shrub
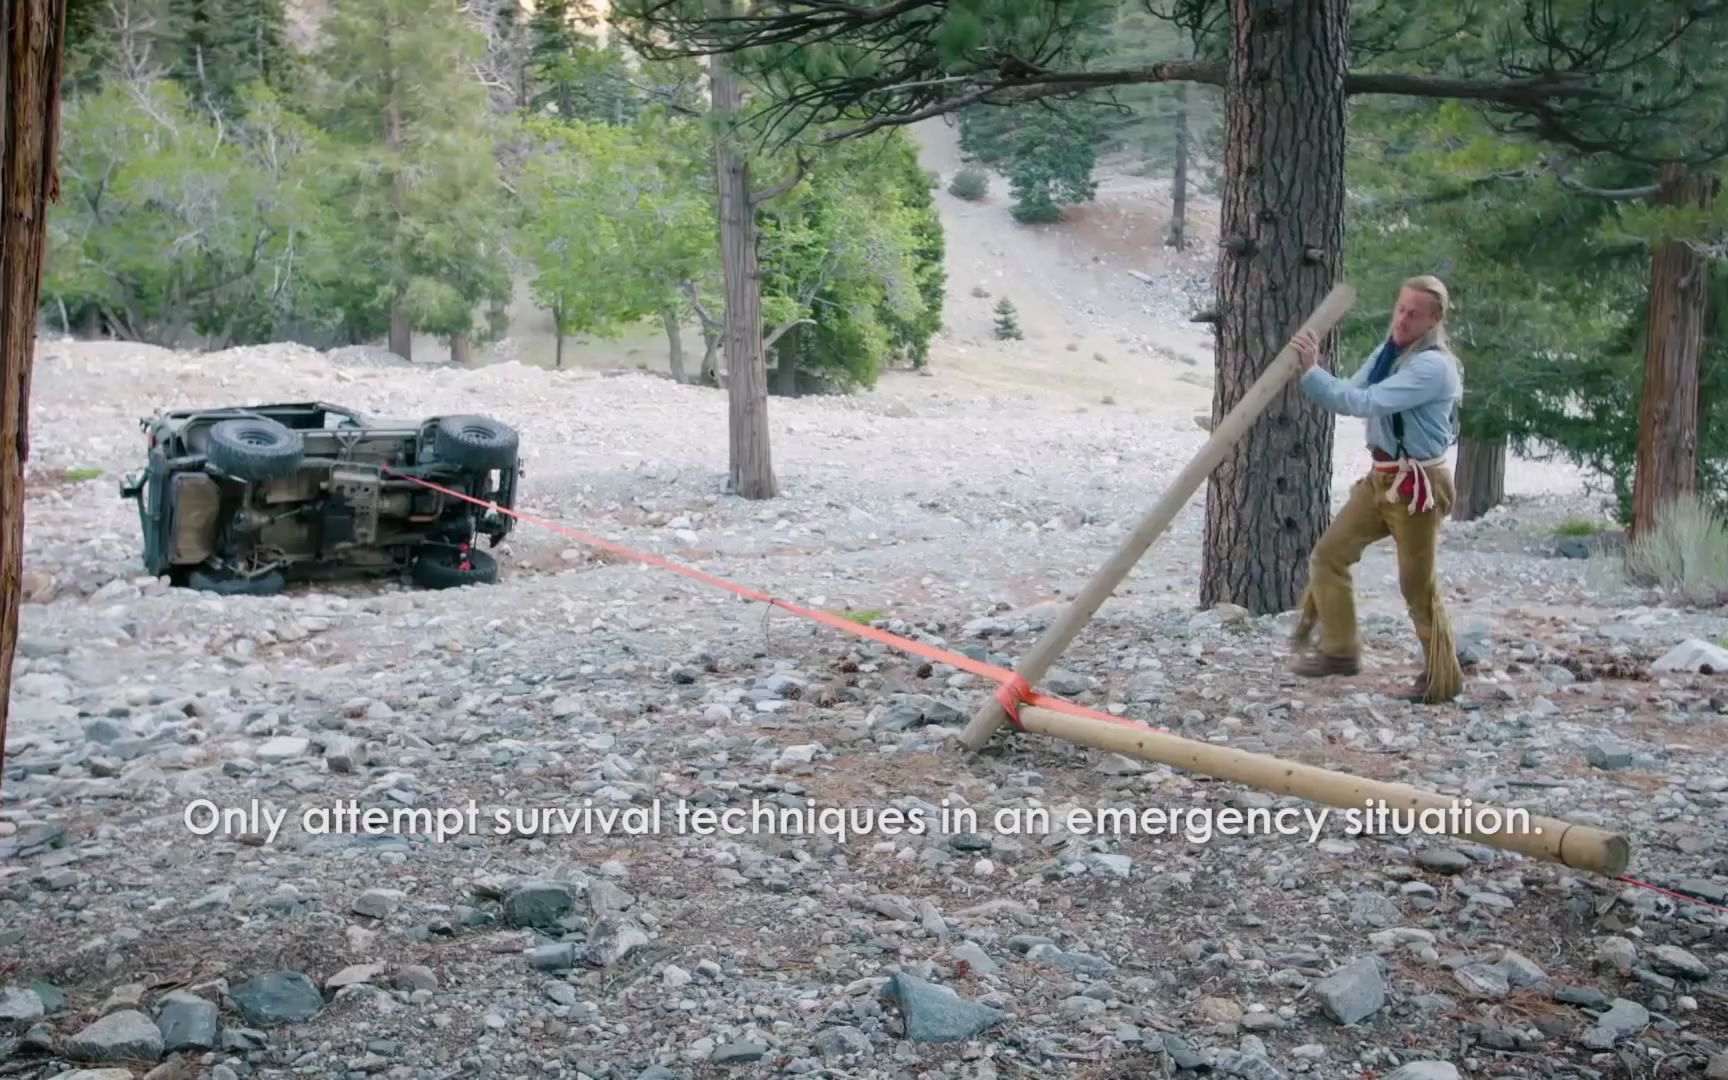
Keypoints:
pixel 970 184
pixel 1686 553
pixel 1036 210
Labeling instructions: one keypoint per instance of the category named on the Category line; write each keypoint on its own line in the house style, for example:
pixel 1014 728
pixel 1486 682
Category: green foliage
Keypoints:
pixel 1047 151
pixel 614 220
pixel 572 76
pixel 1549 282
pixel 217 47
pixel 970 183
pixel 911 326
pixel 856 247
pixel 172 228
pixel 421 190
pixel 1150 117
pixel 1007 324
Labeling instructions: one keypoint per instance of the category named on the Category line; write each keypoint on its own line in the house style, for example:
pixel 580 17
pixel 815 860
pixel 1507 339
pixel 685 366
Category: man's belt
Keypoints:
pixel 1412 483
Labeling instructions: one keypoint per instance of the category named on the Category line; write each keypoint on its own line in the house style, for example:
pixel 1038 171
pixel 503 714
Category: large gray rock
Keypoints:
pixel 20 1003
pixel 280 997
pixel 187 1022
pixel 1623 1018
pixel 540 904
pixel 1354 992
pixel 936 1013
pixel 126 1035
pixel 1694 655
pixel 1673 960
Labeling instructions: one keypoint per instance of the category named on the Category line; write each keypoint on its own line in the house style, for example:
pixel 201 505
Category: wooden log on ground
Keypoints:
pixel 1080 610
pixel 1550 839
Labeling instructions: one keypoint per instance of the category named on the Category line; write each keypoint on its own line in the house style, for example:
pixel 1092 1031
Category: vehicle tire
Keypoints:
pixel 476 442
pixel 254 449
pixel 441 569
pixel 263 585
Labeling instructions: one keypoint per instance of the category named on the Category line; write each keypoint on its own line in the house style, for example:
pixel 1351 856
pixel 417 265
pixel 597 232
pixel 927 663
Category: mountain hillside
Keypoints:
pixel 1104 305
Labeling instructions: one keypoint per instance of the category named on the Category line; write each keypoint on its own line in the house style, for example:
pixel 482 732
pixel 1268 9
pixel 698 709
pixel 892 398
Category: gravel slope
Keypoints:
pixel 591 682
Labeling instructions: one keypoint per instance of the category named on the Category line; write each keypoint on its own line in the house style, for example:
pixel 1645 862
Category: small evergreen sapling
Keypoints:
pixel 1007 327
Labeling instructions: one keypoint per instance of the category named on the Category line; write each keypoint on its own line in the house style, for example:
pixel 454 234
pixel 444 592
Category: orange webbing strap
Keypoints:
pixel 1012 689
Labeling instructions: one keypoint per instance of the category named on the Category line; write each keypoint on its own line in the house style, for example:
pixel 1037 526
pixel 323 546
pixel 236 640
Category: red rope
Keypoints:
pixel 1669 892
pixel 1012 690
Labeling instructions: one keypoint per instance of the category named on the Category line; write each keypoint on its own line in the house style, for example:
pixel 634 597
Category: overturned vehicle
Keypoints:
pixel 248 498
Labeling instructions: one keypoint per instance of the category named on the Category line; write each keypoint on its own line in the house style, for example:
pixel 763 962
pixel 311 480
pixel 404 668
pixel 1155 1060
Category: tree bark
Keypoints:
pixel 1282 226
pixel 1479 478
pixel 558 337
pixel 751 464
pixel 401 332
pixel 674 343
pixel 1667 461
pixel 461 350
pixel 32 49
pixel 710 360
pixel 786 371
pixel 1179 183
pixel 710 370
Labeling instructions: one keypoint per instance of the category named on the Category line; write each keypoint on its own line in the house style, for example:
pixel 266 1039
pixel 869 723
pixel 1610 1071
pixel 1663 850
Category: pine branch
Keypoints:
pixel 1511 92
pixel 1466 188
pixel 1558 79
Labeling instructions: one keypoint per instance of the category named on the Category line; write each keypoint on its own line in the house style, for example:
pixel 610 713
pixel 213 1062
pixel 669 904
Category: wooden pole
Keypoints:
pixel 1080 610
pixel 1549 839
pixel 32 34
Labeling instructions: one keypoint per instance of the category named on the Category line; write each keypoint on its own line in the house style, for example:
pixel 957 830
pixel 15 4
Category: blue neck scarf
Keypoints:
pixel 1383 362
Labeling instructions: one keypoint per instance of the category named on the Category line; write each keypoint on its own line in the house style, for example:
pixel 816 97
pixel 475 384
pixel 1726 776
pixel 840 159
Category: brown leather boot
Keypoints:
pixel 1319 665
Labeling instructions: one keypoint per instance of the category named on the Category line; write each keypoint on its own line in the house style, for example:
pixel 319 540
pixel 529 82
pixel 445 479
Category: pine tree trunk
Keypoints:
pixel 1282 231
pixel 1479 478
pixel 710 360
pixel 461 350
pixel 401 334
pixel 752 467
pixel 675 343
pixel 786 353
pixel 1667 461
pixel 1179 183
pixel 558 337
pixel 32 46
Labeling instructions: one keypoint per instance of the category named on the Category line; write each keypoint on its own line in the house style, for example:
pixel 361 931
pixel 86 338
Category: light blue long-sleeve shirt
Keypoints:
pixel 1426 387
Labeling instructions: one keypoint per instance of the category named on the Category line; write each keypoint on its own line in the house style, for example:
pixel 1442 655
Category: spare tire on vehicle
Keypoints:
pixel 476 442
pixel 446 568
pixel 254 448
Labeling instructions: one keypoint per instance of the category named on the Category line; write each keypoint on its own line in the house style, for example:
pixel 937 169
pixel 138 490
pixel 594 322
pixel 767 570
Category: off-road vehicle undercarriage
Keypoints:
pixel 248 498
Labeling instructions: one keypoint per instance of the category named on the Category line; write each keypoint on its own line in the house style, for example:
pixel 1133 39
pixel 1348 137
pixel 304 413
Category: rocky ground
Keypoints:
pixel 134 940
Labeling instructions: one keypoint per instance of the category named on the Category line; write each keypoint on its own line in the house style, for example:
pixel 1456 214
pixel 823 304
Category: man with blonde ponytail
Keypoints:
pixel 1409 392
